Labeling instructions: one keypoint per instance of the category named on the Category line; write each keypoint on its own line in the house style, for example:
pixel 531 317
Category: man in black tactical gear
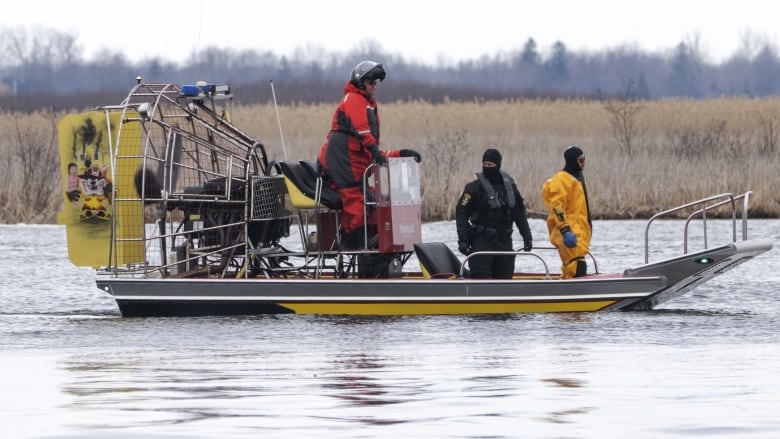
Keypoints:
pixel 484 216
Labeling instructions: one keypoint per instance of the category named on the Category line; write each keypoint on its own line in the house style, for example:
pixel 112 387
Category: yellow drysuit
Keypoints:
pixel 565 199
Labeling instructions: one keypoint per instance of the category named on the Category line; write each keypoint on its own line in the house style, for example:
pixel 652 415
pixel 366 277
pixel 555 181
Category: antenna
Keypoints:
pixel 200 28
pixel 278 120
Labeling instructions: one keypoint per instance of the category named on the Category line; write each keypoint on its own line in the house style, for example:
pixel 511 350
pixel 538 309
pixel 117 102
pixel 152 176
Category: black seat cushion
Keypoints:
pixel 437 259
pixel 304 177
pixel 311 167
pixel 330 198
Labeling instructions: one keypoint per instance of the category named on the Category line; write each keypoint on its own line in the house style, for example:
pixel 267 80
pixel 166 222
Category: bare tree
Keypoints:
pixel 624 109
pixel 37 47
pixel 750 44
pixel 34 154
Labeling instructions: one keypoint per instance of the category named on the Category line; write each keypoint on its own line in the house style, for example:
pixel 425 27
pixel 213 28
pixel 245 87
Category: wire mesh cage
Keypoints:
pixel 267 196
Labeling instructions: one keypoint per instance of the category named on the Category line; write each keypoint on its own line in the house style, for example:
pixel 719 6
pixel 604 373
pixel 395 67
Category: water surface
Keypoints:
pixel 705 365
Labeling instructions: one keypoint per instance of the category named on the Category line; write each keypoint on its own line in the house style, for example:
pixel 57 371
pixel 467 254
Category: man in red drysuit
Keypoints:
pixel 353 144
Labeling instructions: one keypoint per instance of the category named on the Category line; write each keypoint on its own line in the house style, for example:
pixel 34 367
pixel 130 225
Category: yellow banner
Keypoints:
pixel 86 142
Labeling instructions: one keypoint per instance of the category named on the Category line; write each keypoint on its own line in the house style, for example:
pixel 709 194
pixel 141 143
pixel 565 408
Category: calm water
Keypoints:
pixel 706 365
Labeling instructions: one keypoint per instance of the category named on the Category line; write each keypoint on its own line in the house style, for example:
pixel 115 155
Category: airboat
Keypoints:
pixel 181 213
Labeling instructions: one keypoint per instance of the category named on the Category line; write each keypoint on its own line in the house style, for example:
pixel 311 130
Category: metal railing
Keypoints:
pixel 725 198
pixel 462 272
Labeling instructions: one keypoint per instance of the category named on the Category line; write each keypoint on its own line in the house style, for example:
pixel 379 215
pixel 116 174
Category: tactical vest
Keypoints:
pixel 493 217
pixel 493 200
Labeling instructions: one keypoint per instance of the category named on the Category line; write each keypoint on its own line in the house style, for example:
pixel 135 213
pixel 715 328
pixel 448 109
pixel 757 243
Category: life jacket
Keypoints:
pixel 493 199
pixel 500 213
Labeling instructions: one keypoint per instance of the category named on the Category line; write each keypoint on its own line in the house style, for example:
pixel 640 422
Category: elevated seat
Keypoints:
pixel 437 260
pixel 312 168
pixel 301 182
pixel 313 171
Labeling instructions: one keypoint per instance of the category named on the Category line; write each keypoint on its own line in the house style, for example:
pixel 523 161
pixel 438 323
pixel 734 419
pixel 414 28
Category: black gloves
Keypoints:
pixel 377 156
pixel 528 245
pixel 73 195
pixel 381 160
pixel 464 248
pixel 411 153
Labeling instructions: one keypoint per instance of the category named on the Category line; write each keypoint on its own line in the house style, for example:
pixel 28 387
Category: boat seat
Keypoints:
pixel 312 168
pixel 437 260
pixel 301 182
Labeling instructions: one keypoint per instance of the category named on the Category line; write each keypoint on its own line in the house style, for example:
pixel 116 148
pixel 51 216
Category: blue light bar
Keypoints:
pixel 206 90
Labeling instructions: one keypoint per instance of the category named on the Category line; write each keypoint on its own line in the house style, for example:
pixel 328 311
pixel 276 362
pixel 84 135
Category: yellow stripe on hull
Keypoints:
pixel 395 309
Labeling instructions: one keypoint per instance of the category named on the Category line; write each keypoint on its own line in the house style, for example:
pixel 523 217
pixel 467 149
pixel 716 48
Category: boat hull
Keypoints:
pixel 636 289
pixel 186 297
pixel 686 272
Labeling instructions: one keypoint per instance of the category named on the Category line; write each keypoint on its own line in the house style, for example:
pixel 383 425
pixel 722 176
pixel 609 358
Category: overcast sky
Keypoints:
pixel 430 32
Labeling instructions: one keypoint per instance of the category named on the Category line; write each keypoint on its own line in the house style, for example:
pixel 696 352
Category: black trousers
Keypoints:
pixel 488 266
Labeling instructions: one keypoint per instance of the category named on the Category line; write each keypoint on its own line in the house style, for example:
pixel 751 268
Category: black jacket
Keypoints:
pixel 475 216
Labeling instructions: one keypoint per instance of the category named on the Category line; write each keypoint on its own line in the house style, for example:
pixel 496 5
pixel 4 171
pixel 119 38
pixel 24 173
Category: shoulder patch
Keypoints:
pixel 465 200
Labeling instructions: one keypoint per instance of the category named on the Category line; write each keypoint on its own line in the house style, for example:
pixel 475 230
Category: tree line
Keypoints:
pixel 45 68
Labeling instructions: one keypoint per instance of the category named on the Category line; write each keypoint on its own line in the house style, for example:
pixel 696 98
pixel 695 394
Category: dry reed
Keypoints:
pixel 532 135
pixel 689 149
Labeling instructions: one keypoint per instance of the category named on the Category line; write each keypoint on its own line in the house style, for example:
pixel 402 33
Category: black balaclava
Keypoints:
pixel 492 173
pixel 571 155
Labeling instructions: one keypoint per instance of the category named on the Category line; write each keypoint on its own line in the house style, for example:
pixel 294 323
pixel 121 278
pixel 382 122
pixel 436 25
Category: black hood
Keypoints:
pixel 571 155
pixel 493 156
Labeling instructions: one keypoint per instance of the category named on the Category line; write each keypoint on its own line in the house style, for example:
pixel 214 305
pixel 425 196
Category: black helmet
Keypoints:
pixel 366 70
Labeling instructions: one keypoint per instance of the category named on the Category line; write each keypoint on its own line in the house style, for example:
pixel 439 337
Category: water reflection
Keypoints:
pixel 354 379
pixel 132 391
pixel 396 379
pixel 564 382
pixel 529 375
pixel 467 376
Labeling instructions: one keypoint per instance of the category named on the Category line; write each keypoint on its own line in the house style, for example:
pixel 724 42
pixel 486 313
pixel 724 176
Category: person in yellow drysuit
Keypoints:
pixel 568 223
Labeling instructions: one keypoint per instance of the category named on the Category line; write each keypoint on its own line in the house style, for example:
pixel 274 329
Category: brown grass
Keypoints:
pixel 663 172
pixel 688 149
